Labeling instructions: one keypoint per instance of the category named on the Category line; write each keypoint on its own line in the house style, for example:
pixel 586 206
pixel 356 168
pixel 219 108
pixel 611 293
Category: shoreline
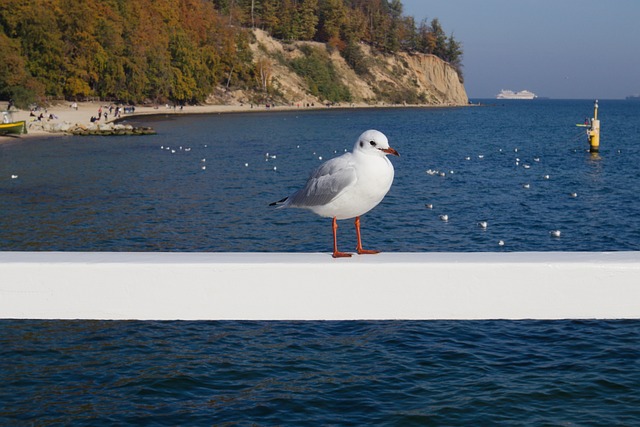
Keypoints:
pixel 64 113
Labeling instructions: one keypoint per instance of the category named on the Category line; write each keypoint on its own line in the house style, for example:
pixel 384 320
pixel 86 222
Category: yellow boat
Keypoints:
pixel 8 126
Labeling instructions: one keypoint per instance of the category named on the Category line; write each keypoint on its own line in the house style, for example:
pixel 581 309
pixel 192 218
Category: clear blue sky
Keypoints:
pixel 562 49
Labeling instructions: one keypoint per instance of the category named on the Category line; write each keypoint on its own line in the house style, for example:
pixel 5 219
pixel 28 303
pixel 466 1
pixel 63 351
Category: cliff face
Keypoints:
pixel 390 79
pixel 437 78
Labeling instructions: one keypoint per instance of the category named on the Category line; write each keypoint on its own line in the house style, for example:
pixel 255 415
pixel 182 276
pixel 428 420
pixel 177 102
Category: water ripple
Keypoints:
pixel 346 373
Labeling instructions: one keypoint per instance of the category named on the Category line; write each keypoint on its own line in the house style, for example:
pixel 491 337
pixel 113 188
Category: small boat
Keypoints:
pixel 8 126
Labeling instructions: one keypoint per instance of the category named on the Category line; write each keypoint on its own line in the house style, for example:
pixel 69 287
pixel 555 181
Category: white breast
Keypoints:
pixel 374 178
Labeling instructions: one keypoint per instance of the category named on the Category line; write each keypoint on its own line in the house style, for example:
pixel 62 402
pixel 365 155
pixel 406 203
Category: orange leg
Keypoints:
pixel 359 246
pixel 336 253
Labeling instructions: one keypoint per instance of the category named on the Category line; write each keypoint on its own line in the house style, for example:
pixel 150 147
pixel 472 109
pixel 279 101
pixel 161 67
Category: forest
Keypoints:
pixel 151 51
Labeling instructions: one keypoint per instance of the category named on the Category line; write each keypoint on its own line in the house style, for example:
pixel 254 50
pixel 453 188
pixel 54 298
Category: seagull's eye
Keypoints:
pixel 373 143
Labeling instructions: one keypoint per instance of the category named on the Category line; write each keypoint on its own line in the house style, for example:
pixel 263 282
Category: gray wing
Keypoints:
pixel 326 183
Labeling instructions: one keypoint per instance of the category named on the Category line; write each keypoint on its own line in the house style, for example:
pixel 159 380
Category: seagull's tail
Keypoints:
pixel 279 202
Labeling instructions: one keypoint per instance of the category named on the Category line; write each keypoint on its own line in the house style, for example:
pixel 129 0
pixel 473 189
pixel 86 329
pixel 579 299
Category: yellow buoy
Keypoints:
pixel 594 131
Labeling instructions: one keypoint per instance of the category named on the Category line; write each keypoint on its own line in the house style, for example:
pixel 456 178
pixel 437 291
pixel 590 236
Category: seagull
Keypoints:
pixel 348 186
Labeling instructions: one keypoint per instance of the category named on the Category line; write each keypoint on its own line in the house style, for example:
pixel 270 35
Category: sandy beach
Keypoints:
pixel 81 115
pixel 82 112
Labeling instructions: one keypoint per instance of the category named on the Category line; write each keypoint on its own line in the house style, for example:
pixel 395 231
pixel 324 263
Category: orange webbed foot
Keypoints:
pixel 367 251
pixel 337 254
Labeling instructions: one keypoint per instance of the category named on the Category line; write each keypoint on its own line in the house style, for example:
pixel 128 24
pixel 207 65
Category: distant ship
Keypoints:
pixel 509 94
pixel 633 98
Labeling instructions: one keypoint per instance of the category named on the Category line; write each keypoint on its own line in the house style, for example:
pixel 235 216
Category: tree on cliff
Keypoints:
pixel 431 39
pixel 180 50
pixel 341 23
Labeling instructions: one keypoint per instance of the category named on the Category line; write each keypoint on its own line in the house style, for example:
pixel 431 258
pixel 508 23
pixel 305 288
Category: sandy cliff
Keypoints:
pixel 436 78
pixel 409 78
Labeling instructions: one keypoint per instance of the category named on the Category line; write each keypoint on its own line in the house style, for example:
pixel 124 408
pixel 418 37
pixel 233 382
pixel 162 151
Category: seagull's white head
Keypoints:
pixel 375 143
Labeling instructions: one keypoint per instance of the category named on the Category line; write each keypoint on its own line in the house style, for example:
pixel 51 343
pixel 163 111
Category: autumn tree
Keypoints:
pixel 332 17
pixel 269 18
pixel 438 39
pixel 179 50
pixel 15 82
pixel 308 19
pixel 34 25
pixel 263 73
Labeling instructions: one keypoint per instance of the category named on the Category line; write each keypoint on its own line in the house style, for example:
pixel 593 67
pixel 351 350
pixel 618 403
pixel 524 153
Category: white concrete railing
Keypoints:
pixel 287 286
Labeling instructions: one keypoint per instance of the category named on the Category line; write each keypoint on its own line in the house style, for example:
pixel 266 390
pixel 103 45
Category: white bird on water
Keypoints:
pixel 348 186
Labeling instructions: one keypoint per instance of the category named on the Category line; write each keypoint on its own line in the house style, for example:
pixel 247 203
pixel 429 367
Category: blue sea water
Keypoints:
pixel 153 194
pixel 391 373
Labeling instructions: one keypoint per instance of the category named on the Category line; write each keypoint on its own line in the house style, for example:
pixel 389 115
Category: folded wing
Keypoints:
pixel 326 183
